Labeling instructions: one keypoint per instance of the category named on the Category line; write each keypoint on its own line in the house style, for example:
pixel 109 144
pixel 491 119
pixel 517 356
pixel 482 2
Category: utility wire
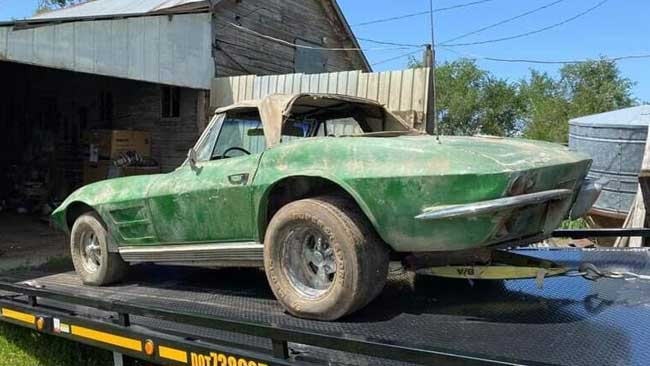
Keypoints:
pixel 396 58
pixel 619 58
pixel 287 43
pixel 521 35
pixel 522 15
pixel 387 43
pixel 546 62
pixel 411 15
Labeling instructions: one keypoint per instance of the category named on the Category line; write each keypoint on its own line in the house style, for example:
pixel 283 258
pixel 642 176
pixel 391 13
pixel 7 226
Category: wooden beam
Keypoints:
pixel 638 215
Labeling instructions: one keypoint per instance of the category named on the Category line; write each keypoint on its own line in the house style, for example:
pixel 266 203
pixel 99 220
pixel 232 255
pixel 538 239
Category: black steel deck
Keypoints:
pixel 571 321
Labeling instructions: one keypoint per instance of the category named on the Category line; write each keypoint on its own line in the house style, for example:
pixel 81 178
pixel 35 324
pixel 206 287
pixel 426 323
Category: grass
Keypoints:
pixel 23 347
pixel 575 224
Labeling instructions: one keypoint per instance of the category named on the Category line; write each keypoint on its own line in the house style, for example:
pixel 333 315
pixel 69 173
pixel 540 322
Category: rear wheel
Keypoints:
pixel 89 249
pixel 322 258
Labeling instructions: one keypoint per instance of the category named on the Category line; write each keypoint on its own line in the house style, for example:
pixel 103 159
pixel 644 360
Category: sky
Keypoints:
pixel 617 28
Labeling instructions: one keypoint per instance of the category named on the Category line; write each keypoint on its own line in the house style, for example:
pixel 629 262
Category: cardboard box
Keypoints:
pixel 95 172
pixel 104 169
pixel 111 143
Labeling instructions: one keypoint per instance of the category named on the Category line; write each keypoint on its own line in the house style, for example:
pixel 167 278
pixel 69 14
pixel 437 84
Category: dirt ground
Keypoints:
pixel 27 241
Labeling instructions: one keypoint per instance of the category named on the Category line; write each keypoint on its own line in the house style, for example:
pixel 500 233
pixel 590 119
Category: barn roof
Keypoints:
pixel 107 8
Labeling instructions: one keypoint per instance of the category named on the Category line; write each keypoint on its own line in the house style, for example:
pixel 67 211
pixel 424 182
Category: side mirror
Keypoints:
pixel 191 158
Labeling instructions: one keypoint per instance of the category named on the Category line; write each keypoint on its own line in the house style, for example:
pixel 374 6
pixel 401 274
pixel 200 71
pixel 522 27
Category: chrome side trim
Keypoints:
pixel 492 206
pixel 195 254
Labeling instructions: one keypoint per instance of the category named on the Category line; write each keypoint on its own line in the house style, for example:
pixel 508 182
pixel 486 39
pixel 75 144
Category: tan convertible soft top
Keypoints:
pixel 275 109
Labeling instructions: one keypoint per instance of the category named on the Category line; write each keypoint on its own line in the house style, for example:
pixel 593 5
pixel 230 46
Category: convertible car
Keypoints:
pixel 323 191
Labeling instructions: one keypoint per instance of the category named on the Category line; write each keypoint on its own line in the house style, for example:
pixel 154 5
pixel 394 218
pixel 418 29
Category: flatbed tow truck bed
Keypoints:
pixel 204 317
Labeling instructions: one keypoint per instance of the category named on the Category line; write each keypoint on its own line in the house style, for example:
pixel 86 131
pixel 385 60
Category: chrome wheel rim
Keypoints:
pixel 90 251
pixel 309 262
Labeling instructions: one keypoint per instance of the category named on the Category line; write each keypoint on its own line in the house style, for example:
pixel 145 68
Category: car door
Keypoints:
pixel 210 201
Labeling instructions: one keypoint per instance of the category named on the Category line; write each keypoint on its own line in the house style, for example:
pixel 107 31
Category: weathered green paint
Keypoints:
pixel 392 179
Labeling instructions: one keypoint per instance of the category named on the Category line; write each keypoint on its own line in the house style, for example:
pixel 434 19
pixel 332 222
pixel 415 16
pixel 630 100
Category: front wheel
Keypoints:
pixel 89 248
pixel 323 259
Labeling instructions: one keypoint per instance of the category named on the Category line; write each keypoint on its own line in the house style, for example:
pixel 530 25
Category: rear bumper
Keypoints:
pixel 493 206
pixel 587 197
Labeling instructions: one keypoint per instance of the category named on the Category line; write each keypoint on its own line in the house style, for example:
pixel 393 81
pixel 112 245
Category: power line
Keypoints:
pixel 386 42
pixel 411 15
pixel 396 58
pixel 521 35
pixel 502 22
pixel 547 62
pixel 287 43
pixel 619 58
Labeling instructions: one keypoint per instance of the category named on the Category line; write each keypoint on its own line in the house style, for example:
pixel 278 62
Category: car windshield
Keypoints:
pixel 241 134
pixel 240 131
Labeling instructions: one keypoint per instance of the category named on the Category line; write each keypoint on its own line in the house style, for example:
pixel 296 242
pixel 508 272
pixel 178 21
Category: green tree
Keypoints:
pixel 546 110
pixel 585 88
pixel 595 87
pixel 472 101
pixel 502 108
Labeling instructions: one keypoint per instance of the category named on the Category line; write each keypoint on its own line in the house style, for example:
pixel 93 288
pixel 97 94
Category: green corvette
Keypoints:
pixel 323 191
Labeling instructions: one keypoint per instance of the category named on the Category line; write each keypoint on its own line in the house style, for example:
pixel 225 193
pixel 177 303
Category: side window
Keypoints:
pixel 241 134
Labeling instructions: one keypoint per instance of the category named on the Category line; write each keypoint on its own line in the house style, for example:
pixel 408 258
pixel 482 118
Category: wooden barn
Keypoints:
pixel 122 65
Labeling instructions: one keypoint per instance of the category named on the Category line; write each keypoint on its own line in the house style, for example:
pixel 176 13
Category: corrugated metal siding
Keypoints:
pixel 404 92
pixel 158 49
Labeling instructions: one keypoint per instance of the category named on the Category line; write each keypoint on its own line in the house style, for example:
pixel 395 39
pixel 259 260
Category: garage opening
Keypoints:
pixel 62 130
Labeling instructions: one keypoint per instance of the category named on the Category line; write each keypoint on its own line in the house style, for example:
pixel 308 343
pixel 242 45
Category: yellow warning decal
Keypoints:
pixel 17 315
pixel 172 354
pixel 124 342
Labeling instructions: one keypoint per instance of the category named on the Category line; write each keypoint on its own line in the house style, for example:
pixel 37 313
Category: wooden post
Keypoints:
pixel 644 179
pixel 429 61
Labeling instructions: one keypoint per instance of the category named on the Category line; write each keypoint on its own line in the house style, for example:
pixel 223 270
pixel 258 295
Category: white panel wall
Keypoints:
pixel 404 92
pixel 158 49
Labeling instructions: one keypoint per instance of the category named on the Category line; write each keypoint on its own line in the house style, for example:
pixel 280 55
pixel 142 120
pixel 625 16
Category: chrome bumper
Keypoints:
pixel 589 193
pixel 492 206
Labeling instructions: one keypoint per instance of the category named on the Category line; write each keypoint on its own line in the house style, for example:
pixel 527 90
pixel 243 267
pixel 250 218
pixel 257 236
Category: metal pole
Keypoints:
pixel 433 72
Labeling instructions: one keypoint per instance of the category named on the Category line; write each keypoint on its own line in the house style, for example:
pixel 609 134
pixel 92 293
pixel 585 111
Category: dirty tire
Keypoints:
pixel 111 267
pixel 361 258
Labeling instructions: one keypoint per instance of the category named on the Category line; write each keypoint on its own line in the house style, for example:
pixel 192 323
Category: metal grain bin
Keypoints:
pixel 616 142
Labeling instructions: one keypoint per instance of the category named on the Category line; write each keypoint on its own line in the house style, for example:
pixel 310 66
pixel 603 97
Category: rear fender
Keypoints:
pixel 263 201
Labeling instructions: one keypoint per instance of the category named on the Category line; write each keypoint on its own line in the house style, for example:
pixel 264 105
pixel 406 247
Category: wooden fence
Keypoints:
pixel 405 92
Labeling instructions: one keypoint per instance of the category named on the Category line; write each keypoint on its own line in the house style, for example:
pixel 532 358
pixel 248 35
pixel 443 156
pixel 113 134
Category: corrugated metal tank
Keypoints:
pixel 616 142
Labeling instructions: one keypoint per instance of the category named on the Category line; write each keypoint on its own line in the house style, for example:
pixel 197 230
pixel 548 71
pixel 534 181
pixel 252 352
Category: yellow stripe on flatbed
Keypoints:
pixel 17 315
pixel 103 337
pixel 172 354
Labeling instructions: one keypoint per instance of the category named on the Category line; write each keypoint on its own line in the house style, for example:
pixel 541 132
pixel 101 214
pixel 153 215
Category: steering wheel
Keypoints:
pixel 225 153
